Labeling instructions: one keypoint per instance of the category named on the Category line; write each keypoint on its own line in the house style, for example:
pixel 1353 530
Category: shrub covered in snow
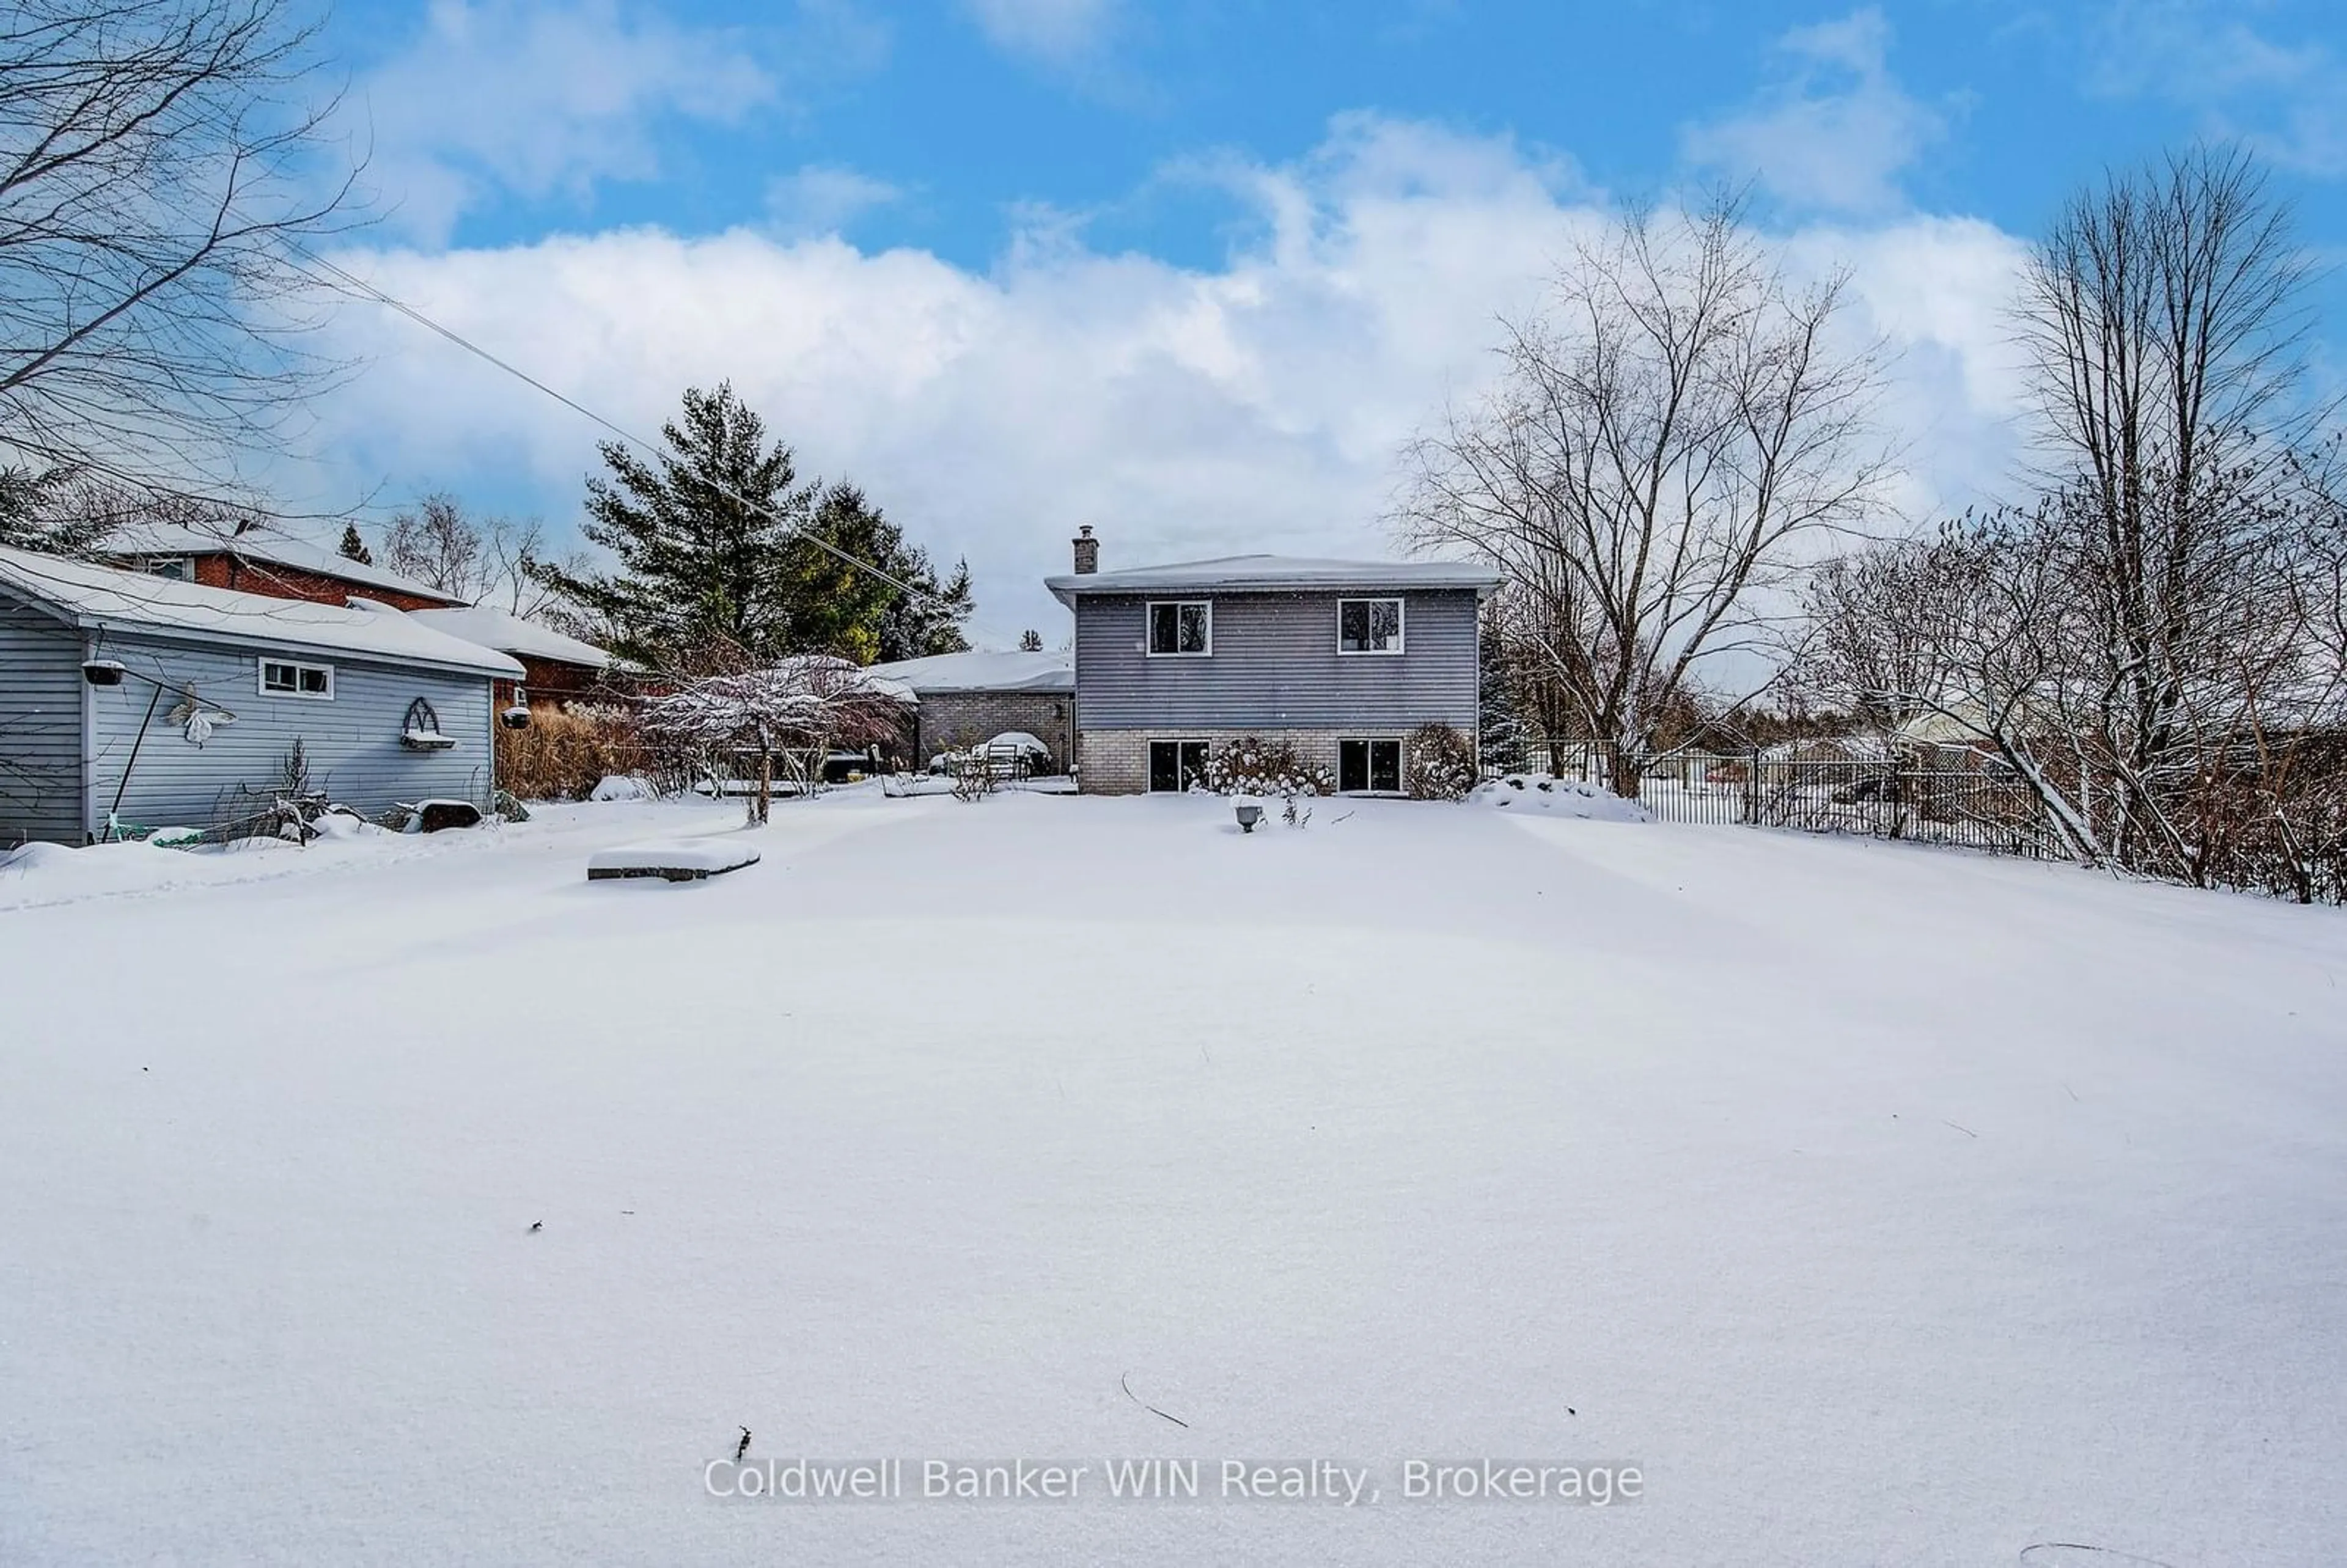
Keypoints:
pixel 1441 763
pixel 1563 798
pixel 1254 765
pixel 621 786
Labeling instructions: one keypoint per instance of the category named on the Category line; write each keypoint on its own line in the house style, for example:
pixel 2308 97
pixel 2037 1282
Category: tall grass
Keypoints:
pixel 564 754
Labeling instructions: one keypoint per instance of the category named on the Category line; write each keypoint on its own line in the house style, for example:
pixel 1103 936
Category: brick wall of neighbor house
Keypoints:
pixel 550 682
pixel 949 719
pixel 291 582
pixel 1116 762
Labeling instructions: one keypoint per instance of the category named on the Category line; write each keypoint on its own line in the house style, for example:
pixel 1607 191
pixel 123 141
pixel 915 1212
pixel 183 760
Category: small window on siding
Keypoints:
pixel 1368 626
pixel 283 678
pixel 1180 629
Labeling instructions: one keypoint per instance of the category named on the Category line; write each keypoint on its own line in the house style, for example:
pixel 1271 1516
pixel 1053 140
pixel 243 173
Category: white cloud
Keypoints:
pixel 539 98
pixel 1185 413
pixel 1834 131
pixel 2287 99
pixel 822 200
pixel 1062 32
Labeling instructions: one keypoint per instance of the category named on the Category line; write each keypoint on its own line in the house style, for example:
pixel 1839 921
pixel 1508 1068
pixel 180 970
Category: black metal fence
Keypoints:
pixel 1962 799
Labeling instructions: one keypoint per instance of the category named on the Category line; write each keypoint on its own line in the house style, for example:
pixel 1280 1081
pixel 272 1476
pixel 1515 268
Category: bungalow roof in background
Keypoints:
pixel 265 546
pixel 978 672
pixel 512 634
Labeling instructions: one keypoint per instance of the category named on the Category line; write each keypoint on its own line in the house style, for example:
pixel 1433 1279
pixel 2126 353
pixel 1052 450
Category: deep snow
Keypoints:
pixel 1881 1203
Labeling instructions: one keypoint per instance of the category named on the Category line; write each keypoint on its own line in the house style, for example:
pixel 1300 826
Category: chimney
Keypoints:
pixel 1087 552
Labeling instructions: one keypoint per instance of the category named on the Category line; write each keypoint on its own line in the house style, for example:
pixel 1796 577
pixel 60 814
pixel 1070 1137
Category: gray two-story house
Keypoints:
pixel 1342 659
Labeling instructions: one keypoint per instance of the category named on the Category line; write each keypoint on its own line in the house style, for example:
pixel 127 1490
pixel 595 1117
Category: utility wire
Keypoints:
pixel 351 282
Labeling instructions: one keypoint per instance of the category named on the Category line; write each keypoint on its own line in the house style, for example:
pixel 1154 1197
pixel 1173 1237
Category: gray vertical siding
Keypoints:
pixel 1275 665
pixel 351 741
pixel 40 727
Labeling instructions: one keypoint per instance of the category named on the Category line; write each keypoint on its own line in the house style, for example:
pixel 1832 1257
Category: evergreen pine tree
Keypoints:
pixel 698 565
pixel 1031 642
pixel 37 513
pixel 1499 729
pixel 353 548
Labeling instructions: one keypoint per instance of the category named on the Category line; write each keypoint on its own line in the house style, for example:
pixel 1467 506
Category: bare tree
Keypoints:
pixel 2165 314
pixel 157 159
pixel 482 560
pixel 1660 439
pixel 1875 622
pixel 1963 640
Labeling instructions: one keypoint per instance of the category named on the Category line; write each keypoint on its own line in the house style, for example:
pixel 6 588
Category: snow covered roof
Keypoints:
pixel 512 634
pixel 984 672
pixel 268 547
pixel 103 598
pixel 1268 574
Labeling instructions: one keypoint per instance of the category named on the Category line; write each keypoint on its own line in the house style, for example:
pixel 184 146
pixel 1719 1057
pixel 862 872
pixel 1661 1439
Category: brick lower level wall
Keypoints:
pixel 1116 762
pixel 948 721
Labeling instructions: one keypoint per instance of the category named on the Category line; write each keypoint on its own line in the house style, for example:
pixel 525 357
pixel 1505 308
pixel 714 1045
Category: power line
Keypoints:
pixel 380 296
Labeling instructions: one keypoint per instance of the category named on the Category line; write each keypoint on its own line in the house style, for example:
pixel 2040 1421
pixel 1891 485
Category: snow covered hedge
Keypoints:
pixel 1254 765
pixel 1441 763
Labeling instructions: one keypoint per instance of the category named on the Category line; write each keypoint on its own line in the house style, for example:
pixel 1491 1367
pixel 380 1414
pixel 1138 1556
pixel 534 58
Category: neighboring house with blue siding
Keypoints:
pixel 129 698
pixel 1342 659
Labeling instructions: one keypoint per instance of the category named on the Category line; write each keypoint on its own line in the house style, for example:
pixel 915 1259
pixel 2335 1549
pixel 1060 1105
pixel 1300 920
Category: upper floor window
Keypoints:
pixel 1368 626
pixel 179 568
pixel 282 679
pixel 1186 628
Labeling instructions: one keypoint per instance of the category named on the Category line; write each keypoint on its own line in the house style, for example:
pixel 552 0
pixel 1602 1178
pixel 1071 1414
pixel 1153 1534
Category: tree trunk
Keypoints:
pixel 765 786
pixel 1622 772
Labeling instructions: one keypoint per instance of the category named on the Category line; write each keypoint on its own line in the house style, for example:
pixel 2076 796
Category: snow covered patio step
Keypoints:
pixel 670 859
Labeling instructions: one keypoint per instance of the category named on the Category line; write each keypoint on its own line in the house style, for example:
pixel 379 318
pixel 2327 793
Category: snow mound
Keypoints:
pixel 32 857
pixel 675 859
pixel 1559 797
pixel 621 786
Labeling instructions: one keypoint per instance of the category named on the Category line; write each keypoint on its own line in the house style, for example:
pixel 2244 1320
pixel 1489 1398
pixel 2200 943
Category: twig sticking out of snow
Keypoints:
pixel 1125 1382
pixel 743 1447
pixel 1960 1128
pixel 2057 1552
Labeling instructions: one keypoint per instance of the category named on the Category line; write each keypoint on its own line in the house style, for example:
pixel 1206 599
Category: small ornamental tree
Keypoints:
pixel 804 703
pixel 1441 763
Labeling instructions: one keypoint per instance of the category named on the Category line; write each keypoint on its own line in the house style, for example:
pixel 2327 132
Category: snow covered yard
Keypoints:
pixel 1880 1205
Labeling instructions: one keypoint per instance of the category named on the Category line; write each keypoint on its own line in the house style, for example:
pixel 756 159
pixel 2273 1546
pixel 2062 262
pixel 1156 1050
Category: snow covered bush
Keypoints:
pixel 727 712
pixel 1441 763
pixel 1254 765
pixel 1560 797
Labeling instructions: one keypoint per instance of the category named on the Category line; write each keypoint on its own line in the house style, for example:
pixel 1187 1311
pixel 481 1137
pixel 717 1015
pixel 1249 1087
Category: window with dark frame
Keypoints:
pixel 1368 626
pixel 1372 767
pixel 1179 628
pixel 1175 765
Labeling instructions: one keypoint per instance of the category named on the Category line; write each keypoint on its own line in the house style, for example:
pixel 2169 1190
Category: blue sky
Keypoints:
pixel 1192 271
